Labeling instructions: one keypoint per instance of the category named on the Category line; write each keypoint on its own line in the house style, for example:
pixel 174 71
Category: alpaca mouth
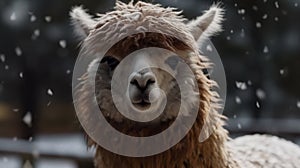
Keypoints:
pixel 142 105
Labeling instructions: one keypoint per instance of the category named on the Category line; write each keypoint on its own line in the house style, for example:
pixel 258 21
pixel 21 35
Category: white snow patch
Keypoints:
pixel 27 119
pixel 63 43
pixel 260 94
pixel 50 92
pixel 18 51
pixel 241 85
pixel 48 18
pixel 238 100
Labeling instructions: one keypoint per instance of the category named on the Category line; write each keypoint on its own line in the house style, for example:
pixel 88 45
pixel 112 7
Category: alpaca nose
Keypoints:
pixel 142 80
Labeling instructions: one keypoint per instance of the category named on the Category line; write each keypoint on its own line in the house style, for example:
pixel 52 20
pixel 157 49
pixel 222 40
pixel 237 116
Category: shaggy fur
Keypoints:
pixel 218 151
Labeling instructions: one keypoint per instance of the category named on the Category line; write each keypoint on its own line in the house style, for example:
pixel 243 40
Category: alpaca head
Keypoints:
pixel 149 70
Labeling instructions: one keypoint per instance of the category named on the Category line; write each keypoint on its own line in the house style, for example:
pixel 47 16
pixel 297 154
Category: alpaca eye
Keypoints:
pixel 172 61
pixel 110 61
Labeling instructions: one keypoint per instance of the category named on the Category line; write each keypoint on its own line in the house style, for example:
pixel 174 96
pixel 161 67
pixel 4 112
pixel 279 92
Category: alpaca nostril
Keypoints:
pixel 134 82
pixel 142 81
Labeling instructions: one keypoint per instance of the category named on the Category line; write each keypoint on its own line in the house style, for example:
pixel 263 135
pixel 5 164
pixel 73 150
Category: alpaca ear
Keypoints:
pixel 208 24
pixel 83 22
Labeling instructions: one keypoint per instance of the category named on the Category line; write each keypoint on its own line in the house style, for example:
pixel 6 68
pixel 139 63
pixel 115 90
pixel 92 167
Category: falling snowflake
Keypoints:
pixel 30 139
pixel 298 104
pixel 266 49
pixel 276 19
pixel 228 38
pixel 234 116
pixel 6 67
pixel 276 4
pixel 296 4
pixel 255 8
pixel 18 51
pixel 241 11
pixel 13 16
pixel 258 24
pixel 2 57
pixel 239 126
pixel 260 94
pixel 265 16
pixel 32 18
pixel 48 104
pixel 36 34
pixel 50 92
pixel 68 71
pixel 16 110
pixel 48 19
pixel 21 74
pixel 15 139
pixel 238 100
pixel 241 85
pixel 209 48
pixel 282 71
pixel 242 33
pixel 63 43
pixel 231 31
pixel 27 119
pixel 257 104
pixel 249 82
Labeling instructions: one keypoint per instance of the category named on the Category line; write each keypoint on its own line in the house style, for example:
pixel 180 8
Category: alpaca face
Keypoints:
pixel 145 81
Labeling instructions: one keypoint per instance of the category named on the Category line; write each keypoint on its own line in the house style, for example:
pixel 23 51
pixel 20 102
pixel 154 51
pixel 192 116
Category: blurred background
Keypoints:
pixel 259 47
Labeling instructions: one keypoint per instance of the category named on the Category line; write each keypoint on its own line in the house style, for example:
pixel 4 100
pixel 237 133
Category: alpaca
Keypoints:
pixel 218 150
